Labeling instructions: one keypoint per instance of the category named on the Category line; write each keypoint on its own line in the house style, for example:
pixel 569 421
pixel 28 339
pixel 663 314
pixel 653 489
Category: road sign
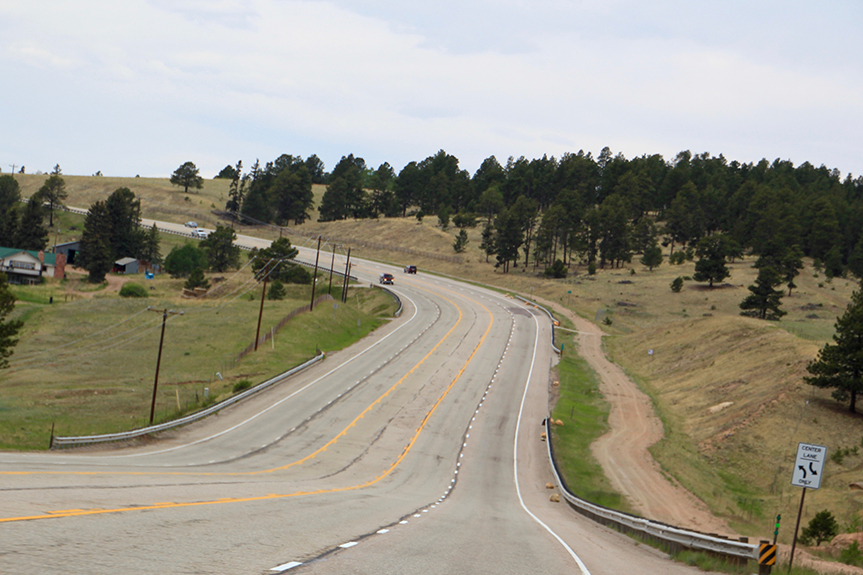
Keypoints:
pixel 767 554
pixel 809 465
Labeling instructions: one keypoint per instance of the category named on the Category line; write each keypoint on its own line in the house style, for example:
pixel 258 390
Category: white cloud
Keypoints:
pixel 138 86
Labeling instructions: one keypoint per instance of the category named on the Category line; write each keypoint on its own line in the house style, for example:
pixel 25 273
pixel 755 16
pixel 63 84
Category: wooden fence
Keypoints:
pixel 267 336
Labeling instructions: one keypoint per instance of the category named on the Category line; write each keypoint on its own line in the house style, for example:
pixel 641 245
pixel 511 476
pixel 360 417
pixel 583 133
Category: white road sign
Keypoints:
pixel 809 465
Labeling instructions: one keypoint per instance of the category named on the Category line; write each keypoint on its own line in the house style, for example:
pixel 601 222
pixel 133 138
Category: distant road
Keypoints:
pixel 415 451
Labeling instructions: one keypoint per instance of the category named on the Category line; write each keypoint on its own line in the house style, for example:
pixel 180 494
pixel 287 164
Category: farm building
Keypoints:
pixel 69 249
pixel 126 266
pixel 28 267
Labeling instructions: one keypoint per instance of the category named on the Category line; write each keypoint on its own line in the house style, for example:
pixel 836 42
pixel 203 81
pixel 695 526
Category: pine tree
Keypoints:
pixel 822 527
pixel 764 301
pixel 149 249
pixel 52 191
pixel 31 234
pixel 237 189
pixel 197 279
pixel 124 212
pixel 187 176
pixel 334 203
pixel 487 244
pixel 96 255
pixel 9 227
pixel 8 328
pixel 460 242
pixel 508 239
pixel 652 257
pixel 221 252
pixel 710 266
pixel 840 365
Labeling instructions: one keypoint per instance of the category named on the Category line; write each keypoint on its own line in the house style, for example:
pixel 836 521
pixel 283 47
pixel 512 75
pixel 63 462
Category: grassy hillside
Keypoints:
pixel 86 362
pixel 159 198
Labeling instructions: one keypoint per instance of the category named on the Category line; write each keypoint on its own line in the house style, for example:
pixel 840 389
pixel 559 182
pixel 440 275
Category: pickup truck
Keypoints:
pixel 410 269
pixel 386 279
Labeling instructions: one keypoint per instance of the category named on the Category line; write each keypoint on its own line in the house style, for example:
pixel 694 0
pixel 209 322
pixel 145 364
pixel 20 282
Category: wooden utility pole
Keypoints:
pixel 159 357
pixel 261 312
pixel 315 277
pixel 332 263
pixel 347 275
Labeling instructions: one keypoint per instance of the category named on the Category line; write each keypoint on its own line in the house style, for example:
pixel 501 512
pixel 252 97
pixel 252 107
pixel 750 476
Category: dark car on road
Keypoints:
pixel 387 279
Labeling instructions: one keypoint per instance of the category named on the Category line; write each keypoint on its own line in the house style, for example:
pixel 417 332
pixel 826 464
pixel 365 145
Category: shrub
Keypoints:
pixel 822 527
pixel 556 270
pixel 133 290
pixel 182 260
pixel 591 268
pixel 242 385
pixel 443 217
pixel 196 280
pixel 297 275
pixel 277 291
pixel 852 555
pixel 677 258
pixel 677 284
pixel 464 220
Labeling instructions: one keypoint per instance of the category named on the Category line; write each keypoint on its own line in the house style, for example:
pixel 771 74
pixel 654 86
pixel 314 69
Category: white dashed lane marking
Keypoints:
pixel 292 564
pixel 286 566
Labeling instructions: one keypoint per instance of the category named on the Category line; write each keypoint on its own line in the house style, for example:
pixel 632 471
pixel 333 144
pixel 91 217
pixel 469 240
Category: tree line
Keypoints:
pixel 600 211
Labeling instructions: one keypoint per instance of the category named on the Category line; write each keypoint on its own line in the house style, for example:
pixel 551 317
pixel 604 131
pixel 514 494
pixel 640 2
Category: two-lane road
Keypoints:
pixel 416 450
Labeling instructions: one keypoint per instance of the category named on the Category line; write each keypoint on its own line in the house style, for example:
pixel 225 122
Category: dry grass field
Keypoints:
pixel 87 361
pixel 728 388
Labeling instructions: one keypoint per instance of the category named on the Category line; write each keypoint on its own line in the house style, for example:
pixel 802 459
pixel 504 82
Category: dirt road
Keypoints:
pixel 625 459
pixel 634 427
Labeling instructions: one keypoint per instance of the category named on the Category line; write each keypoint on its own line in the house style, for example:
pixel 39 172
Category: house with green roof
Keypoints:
pixel 28 267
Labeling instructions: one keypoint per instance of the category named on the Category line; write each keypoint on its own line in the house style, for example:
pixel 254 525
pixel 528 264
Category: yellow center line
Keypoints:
pixel 309 457
pixel 390 469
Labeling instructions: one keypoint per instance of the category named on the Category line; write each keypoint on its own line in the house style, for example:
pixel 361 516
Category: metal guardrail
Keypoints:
pixel 668 536
pixel 671 537
pixel 548 313
pixel 323 269
pixel 73 210
pixel 395 296
pixel 105 438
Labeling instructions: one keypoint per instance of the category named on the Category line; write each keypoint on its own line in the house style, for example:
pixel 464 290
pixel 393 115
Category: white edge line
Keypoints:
pixel 273 406
pixel 578 560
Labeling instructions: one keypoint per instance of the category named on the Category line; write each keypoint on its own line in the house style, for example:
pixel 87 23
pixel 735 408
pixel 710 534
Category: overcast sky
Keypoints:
pixel 132 87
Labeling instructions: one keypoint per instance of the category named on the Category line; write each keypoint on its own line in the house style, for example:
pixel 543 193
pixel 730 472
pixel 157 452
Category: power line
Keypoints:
pixel 28 355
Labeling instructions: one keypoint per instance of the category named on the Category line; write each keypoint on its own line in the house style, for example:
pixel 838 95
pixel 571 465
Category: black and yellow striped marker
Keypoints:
pixel 767 554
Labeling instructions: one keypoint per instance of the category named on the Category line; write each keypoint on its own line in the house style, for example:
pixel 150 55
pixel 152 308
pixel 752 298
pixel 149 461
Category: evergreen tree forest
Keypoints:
pixel 599 211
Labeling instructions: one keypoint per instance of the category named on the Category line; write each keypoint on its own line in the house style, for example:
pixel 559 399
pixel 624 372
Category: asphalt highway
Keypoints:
pixel 417 450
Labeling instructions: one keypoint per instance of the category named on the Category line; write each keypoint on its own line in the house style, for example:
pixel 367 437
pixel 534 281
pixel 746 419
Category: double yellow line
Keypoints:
pixel 333 441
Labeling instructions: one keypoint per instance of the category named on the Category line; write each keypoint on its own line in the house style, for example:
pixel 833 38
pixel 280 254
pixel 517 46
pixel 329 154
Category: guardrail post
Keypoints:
pixel 764 569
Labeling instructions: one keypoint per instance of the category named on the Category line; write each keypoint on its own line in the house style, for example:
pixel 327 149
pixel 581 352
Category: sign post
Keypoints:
pixel 808 468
